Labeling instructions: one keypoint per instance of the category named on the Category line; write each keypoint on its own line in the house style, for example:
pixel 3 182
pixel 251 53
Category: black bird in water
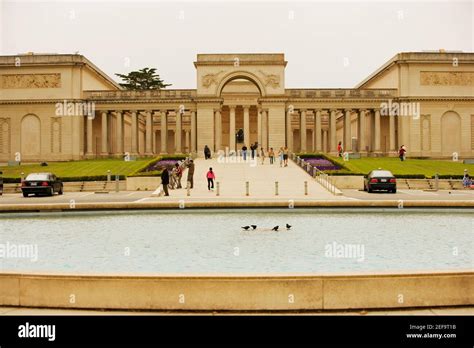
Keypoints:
pixel 246 227
pixel 275 228
pixel 253 227
pixel 288 226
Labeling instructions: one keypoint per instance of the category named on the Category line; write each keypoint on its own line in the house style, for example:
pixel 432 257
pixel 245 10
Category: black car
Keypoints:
pixel 41 183
pixel 378 180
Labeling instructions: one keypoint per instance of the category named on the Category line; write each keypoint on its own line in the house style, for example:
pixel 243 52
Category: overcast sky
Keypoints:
pixel 326 44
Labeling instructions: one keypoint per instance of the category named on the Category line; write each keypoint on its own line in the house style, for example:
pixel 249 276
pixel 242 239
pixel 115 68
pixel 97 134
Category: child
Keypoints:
pixel 210 179
pixel 271 154
pixel 262 155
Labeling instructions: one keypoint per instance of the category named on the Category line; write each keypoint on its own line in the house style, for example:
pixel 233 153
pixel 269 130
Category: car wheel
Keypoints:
pixel 25 194
pixel 60 191
pixel 394 190
pixel 51 192
pixel 369 189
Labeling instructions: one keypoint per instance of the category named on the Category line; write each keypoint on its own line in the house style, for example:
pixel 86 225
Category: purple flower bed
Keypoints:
pixel 322 164
pixel 160 165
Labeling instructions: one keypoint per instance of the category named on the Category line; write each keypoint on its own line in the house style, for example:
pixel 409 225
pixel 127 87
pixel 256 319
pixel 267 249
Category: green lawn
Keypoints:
pixel 84 168
pixel 426 167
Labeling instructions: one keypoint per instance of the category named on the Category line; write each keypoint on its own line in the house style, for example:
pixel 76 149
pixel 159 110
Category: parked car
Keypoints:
pixel 41 183
pixel 378 180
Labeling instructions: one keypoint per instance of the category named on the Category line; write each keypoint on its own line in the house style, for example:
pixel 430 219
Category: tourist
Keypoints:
pixel 271 155
pixel 173 178
pixel 244 152
pixel 165 180
pixel 207 152
pixel 280 156
pixel 262 155
pixel 253 148
pixel 190 173
pixel 401 153
pixel 285 156
pixel 466 180
pixel 339 149
pixel 404 153
pixel 179 175
pixel 210 179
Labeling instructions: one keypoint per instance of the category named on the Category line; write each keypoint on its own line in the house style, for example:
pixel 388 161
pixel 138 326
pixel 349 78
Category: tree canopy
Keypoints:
pixel 143 79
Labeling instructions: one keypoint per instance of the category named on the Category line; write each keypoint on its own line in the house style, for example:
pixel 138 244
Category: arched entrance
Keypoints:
pixel 240 122
pixel 30 137
pixel 450 133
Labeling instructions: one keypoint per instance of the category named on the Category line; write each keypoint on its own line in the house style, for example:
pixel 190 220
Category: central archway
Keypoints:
pixel 241 75
pixel 240 123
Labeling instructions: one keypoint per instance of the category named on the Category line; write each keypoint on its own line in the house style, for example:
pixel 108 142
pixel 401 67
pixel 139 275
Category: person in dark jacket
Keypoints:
pixel 165 180
pixel 207 152
pixel 191 173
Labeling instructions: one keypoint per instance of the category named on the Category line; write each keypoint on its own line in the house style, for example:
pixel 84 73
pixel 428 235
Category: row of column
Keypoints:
pixel 149 132
pixel 320 135
pixel 262 127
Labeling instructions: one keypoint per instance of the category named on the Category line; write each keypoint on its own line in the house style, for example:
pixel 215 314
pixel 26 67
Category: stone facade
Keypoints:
pixel 62 107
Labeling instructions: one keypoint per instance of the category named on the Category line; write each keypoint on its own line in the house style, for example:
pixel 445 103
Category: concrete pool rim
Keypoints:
pixel 335 291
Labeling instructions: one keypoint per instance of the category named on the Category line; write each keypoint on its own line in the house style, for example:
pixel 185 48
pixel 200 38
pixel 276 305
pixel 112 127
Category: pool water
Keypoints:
pixel 212 241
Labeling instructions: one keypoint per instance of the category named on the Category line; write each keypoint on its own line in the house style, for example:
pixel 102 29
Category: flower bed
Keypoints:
pixel 322 164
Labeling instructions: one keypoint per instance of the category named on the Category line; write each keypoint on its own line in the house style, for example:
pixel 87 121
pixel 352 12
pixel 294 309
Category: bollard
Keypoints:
pixel 247 188
pixel 276 188
pixel 188 188
pixel 108 176
pixel 436 181
pixel 117 183
pixel 305 188
pixel 218 188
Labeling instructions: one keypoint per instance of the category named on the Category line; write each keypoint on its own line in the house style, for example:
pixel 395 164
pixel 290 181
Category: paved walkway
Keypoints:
pixel 233 176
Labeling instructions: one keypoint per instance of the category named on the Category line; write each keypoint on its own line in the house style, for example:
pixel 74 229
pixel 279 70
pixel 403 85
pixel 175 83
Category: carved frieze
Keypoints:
pixel 270 79
pixel 210 79
pixel 446 78
pixel 30 81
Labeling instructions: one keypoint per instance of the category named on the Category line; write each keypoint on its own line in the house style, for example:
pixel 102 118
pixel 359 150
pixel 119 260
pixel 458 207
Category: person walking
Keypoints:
pixel 401 153
pixel 165 180
pixel 191 173
pixel 207 152
pixel 285 156
pixel 271 155
pixel 210 179
pixel 244 152
pixel 262 155
pixel 339 149
pixel 179 175
pixel 466 180
pixel 280 156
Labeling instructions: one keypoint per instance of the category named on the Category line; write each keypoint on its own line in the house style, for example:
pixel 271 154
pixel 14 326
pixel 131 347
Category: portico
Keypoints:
pixel 240 100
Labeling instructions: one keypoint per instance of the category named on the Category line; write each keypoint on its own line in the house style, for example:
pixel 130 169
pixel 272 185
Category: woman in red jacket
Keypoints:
pixel 210 179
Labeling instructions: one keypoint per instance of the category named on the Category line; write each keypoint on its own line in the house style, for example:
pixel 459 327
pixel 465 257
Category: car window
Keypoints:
pixel 382 173
pixel 37 176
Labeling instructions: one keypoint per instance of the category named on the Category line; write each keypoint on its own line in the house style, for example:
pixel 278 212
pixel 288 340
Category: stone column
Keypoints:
pixel 361 127
pixel 232 129
pixel 186 144
pixel 347 131
pixel 289 131
pixel 90 151
pixel 259 126
pixel 134 130
pixel 391 127
pixel 149 133
pixel 264 143
pixel 178 133
pixel 218 120
pixel 317 130
pixel 377 131
pixel 246 124
pixel 105 134
pixel 164 131
pixel 325 141
pixel 119 128
pixel 193 131
pixel 303 130
pixel 333 132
